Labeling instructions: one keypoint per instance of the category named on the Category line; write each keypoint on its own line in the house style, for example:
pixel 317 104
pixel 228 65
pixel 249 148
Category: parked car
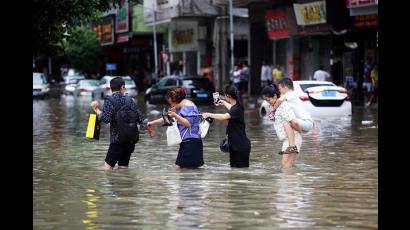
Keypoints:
pixel 69 72
pixel 73 79
pixel 130 87
pixel 319 98
pixel 70 88
pixel 104 88
pixel 41 87
pixel 198 89
pixel 86 87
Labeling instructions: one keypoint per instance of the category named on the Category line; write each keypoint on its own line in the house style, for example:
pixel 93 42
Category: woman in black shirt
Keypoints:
pixel 239 144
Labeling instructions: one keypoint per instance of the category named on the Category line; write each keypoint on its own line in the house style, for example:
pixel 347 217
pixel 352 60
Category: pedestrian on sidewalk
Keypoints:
pixel 374 75
pixel 277 74
pixel 266 76
pixel 367 81
pixel 321 74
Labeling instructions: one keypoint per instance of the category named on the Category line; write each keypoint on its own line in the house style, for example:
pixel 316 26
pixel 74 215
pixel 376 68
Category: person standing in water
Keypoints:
pixel 239 144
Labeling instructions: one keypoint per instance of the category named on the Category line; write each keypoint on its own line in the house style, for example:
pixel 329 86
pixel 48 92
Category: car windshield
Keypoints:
pixel 167 82
pixel 305 86
pixel 38 79
pixel 89 83
pixel 197 83
pixel 129 81
pixel 73 81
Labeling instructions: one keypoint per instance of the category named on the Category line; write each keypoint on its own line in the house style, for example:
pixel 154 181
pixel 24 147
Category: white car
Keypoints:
pixel 86 87
pixel 130 87
pixel 105 90
pixel 73 79
pixel 319 98
pixel 40 85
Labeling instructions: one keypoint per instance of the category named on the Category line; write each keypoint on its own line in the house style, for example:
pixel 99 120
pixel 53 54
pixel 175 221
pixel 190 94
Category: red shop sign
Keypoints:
pixel 276 24
pixel 365 21
pixel 358 3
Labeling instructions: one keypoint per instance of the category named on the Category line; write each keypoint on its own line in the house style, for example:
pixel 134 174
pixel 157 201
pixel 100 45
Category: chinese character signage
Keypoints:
pixel 310 13
pixel 365 21
pixel 360 3
pixel 122 38
pixel 276 24
pixel 105 31
pixel 184 36
pixel 121 21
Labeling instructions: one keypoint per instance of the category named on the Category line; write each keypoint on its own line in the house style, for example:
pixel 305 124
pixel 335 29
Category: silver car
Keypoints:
pixel 70 88
pixel 86 87
pixel 105 90
pixel 73 79
pixel 41 87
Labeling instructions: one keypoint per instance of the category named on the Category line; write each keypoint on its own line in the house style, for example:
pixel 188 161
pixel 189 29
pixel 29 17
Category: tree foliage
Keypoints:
pixel 82 48
pixel 53 20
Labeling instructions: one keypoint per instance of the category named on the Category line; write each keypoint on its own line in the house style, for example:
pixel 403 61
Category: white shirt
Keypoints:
pixel 297 105
pixel 321 75
pixel 265 73
pixel 237 76
pixel 283 113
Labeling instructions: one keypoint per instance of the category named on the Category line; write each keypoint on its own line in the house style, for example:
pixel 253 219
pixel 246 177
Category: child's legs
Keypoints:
pixel 295 125
pixel 301 125
pixel 289 133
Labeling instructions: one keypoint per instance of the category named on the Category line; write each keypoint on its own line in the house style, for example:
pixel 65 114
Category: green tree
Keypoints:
pixel 53 20
pixel 82 48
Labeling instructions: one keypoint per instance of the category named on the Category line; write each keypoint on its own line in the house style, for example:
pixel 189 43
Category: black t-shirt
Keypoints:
pixel 236 130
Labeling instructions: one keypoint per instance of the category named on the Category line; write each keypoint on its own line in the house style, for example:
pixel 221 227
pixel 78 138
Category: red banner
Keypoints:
pixel 276 24
pixel 366 21
pixel 353 3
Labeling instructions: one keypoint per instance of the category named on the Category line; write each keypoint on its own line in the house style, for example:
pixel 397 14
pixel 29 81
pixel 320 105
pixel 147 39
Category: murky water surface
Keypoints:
pixel 334 183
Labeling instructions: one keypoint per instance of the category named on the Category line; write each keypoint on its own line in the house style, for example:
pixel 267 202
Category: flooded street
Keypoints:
pixel 334 183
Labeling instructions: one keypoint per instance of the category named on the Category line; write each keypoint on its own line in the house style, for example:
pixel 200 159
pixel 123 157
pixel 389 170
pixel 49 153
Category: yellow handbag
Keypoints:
pixel 93 128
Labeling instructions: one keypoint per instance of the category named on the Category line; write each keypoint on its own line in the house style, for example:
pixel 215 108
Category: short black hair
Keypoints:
pixel 116 83
pixel 286 82
pixel 232 91
pixel 270 91
pixel 321 67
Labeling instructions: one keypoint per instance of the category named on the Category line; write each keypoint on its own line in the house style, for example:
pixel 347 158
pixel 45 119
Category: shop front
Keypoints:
pixel 185 46
pixel 315 40
pixel 362 39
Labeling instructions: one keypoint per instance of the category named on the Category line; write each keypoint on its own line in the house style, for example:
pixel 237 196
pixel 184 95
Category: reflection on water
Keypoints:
pixel 334 183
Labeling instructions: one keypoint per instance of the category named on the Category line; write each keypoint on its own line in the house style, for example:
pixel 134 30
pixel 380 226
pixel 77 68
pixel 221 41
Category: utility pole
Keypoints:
pixel 231 32
pixel 155 40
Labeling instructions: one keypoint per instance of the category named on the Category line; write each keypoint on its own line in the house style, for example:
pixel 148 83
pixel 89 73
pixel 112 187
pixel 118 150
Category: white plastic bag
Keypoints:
pixel 173 135
pixel 203 128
